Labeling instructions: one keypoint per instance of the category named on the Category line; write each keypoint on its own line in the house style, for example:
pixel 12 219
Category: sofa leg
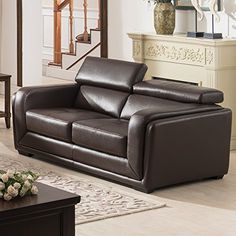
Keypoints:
pixel 25 153
pixel 218 177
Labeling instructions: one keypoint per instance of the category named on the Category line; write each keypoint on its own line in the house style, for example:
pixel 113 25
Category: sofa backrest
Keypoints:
pixel 137 102
pixel 168 96
pixel 105 84
pixel 181 92
pixel 106 101
pixel 110 73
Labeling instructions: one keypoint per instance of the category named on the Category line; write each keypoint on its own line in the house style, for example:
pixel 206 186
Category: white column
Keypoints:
pixel 0 32
pixel 32 42
pixel 8 43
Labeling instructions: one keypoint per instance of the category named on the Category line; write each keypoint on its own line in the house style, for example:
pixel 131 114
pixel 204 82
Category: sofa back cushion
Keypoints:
pixel 138 102
pixel 109 73
pixel 106 101
pixel 181 92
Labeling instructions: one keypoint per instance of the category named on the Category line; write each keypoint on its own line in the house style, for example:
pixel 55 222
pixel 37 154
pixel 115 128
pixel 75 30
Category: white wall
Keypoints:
pixel 134 16
pixel 123 17
pixel 8 43
pixel 32 42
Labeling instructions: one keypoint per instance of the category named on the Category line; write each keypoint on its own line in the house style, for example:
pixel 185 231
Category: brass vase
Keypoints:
pixel 164 18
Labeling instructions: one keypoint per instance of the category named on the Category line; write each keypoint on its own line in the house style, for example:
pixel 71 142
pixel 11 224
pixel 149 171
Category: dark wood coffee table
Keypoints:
pixel 50 213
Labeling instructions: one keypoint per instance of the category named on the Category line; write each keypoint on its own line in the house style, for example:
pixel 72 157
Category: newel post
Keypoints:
pixel 57 32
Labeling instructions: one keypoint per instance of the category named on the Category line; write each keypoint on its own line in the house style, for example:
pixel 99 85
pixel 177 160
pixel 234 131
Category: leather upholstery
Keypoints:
pixel 57 122
pixel 191 147
pixel 137 129
pixel 102 161
pixel 49 145
pixel 137 103
pixel 105 135
pixel 28 98
pixel 161 135
pixel 181 92
pixel 108 73
pixel 102 100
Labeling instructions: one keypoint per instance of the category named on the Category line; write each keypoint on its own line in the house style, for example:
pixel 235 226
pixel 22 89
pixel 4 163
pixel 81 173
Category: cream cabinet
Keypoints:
pixel 206 62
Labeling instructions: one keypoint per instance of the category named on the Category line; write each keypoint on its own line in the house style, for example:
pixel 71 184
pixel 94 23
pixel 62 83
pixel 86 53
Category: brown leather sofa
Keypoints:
pixel 146 134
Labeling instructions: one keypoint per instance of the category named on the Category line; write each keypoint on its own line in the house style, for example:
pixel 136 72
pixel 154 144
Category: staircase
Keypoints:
pixel 67 64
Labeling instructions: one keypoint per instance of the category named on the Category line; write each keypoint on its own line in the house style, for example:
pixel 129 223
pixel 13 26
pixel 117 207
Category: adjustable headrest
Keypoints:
pixel 180 92
pixel 108 73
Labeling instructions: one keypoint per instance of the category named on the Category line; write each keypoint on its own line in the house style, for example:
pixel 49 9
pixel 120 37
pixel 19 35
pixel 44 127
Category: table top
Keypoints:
pixel 4 77
pixel 47 198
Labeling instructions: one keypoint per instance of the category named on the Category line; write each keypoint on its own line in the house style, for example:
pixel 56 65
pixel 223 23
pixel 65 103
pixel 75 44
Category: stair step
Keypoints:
pixel 81 48
pixel 60 73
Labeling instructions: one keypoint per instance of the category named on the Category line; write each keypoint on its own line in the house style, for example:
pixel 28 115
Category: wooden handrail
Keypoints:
pixel 62 5
pixel 58 7
pixel 85 55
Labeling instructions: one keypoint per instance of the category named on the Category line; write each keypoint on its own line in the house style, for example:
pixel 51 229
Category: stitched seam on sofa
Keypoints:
pixel 104 131
pixel 59 138
pixel 134 172
pixel 142 67
pixel 121 110
pixel 51 118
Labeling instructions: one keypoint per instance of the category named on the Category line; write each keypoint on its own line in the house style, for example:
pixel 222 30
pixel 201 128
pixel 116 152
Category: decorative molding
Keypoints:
pixel 137 49
pixel 181 54
pixel 209 56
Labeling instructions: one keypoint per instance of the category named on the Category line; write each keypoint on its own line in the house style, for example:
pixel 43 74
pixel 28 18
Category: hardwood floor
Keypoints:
pixel 203 209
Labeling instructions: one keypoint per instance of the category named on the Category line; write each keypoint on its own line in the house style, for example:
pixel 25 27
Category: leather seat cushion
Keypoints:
pixel 105 135
pixel 57 122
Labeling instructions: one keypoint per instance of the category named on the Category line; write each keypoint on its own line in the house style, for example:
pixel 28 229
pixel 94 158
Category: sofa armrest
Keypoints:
pixel 39 97
pixel 137 130
pixel 187 148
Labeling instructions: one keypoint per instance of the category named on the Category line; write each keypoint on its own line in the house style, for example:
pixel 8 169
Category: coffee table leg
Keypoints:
pixel 7 103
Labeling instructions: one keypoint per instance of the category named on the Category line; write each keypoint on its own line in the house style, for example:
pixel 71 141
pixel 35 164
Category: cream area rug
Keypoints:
pixel 98 202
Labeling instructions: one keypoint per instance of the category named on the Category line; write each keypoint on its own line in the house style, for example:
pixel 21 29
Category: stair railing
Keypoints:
pixel 86 34
pixel 84 37
pixel 58 7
